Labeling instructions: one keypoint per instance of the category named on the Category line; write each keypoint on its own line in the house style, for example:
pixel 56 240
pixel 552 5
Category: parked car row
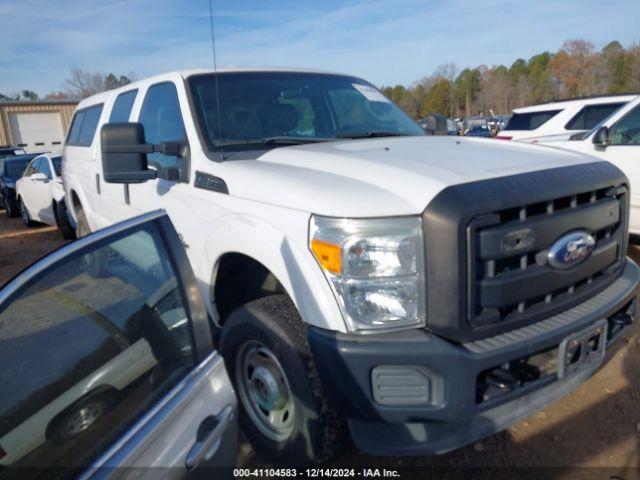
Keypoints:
pixel 558 121
pixel 363 279
pixel 604 127
pixel 31 186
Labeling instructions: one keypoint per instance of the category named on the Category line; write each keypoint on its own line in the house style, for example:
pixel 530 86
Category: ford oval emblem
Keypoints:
pixel 570 249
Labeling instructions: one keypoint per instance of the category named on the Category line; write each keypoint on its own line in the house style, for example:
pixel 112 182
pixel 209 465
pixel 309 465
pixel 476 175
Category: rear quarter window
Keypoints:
pixel 591 115
pixel 83 127
pixel 530 120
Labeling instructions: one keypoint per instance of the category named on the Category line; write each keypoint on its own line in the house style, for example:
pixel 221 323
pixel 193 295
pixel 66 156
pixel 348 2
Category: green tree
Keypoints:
pixel 438 98
pixel 467 88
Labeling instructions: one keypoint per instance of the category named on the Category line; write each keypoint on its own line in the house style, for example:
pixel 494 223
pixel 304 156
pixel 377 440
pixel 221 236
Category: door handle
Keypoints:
pixel 208 437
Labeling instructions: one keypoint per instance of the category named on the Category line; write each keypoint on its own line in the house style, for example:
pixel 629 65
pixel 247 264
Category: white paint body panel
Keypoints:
pixel 38 196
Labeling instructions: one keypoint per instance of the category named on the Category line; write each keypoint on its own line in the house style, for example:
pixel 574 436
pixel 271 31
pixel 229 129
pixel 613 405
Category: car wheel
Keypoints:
pixel 10 209
pixel 284 411
pixel 62 220
pixel 26 218
pixel 80 418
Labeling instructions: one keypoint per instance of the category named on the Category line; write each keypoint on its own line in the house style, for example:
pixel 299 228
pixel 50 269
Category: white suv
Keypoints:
pixel 557 121
pixel 616 139
pixel 423 291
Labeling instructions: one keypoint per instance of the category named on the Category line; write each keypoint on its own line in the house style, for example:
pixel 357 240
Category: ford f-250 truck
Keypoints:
pixel 423 292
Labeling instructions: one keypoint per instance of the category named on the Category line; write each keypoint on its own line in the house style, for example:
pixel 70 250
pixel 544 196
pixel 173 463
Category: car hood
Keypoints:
pixel 382 176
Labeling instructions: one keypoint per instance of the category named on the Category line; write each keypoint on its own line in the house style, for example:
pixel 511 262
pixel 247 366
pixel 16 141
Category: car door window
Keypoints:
pixel 93 341
pixel 122 107
pixel 627 130
pixel 162 121
pixel 84 126
pixel 74 131
pixel 44 167
pixel 31 168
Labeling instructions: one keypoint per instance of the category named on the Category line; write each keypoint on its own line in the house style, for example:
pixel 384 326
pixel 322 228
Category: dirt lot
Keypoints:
pixel 598 425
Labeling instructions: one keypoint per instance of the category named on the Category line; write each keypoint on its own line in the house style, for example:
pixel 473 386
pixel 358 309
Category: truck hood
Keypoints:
pixel 382 176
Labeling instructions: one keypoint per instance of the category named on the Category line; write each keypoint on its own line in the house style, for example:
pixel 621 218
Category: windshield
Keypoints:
pixel 16 168
pixel 57 165
pixel 270 108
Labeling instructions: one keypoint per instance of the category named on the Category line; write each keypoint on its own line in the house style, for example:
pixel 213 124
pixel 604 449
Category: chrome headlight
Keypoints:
pixel 376 268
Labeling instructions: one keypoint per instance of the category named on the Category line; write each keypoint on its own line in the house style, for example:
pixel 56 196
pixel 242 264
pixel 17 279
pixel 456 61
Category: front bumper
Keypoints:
pixel 450 415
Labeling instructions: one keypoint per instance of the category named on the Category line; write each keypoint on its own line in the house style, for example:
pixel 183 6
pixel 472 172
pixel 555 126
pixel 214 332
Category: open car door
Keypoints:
pixel 107 364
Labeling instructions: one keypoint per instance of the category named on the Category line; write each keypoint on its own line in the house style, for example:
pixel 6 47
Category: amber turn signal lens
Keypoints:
pixel 328 254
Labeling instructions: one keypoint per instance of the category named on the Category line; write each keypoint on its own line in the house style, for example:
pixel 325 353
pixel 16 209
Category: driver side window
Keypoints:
pixel 627 130
pixel 162 121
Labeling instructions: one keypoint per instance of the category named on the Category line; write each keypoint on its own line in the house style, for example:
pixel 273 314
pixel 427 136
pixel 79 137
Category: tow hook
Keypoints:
pixel 622 319
pixel 503 379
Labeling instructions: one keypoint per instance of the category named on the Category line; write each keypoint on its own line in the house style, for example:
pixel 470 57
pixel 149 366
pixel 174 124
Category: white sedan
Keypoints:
pixel 40 194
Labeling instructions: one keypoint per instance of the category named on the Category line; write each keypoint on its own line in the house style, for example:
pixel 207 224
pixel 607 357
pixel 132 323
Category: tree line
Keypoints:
pixel 80 84
pixel 577 69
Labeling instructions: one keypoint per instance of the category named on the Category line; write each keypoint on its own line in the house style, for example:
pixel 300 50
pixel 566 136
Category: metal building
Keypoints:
pixel 35 125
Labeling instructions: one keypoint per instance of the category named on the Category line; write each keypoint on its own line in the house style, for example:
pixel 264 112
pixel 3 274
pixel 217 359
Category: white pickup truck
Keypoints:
pixel 424 292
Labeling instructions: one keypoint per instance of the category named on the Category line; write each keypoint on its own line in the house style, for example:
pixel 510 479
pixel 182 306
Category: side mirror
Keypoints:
pixel 601 137
pixel 124 153
pixel 39 177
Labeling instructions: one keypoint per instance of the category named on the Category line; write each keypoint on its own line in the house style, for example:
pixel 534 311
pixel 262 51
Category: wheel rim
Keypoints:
pixel 83 419
pixel 264 391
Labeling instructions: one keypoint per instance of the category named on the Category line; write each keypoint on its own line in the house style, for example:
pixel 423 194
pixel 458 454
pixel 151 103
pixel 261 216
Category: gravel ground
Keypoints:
pixel 597 425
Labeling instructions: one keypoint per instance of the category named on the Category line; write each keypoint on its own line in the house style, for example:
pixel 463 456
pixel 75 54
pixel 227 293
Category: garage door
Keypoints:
pixel 36 131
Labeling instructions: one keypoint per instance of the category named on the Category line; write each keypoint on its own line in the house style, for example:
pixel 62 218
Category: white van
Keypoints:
pixel 423 292
pixel 557 121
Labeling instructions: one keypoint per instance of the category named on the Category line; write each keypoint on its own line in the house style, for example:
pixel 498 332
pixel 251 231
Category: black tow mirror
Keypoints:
pixel 124 153
pixel 601 138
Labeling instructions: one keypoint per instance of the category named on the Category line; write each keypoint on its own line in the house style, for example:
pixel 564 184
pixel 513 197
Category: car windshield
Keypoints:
pixel 277 108
pixel 57 165
pixel 16 168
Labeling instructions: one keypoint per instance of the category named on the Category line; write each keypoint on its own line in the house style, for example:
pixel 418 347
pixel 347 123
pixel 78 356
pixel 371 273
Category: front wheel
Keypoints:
pixel 26 218
pixel 10 208
pixel 284 410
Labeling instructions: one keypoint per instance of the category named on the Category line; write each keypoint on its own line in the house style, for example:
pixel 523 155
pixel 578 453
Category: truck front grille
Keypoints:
pixel 509 277
pixel 486 245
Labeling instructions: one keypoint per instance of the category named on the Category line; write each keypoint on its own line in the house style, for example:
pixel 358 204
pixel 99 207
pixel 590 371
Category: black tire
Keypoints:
pixel 78 419
pixel 317 430
pixel 24 213
pixel 62 220
pixel 10 207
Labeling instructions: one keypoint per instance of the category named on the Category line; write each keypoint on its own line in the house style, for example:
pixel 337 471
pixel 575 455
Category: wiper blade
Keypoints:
pixel 373 134
pixel 281 140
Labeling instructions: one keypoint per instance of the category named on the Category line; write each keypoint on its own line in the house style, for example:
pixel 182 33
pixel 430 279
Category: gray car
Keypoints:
pixel 108 363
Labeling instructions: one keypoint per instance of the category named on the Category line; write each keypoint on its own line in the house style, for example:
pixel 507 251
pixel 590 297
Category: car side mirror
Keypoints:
pixel 39 177
pixel 124 153
pixel 601 137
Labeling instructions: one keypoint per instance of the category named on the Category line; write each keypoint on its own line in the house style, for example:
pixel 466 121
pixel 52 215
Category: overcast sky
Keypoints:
pixel 387 42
